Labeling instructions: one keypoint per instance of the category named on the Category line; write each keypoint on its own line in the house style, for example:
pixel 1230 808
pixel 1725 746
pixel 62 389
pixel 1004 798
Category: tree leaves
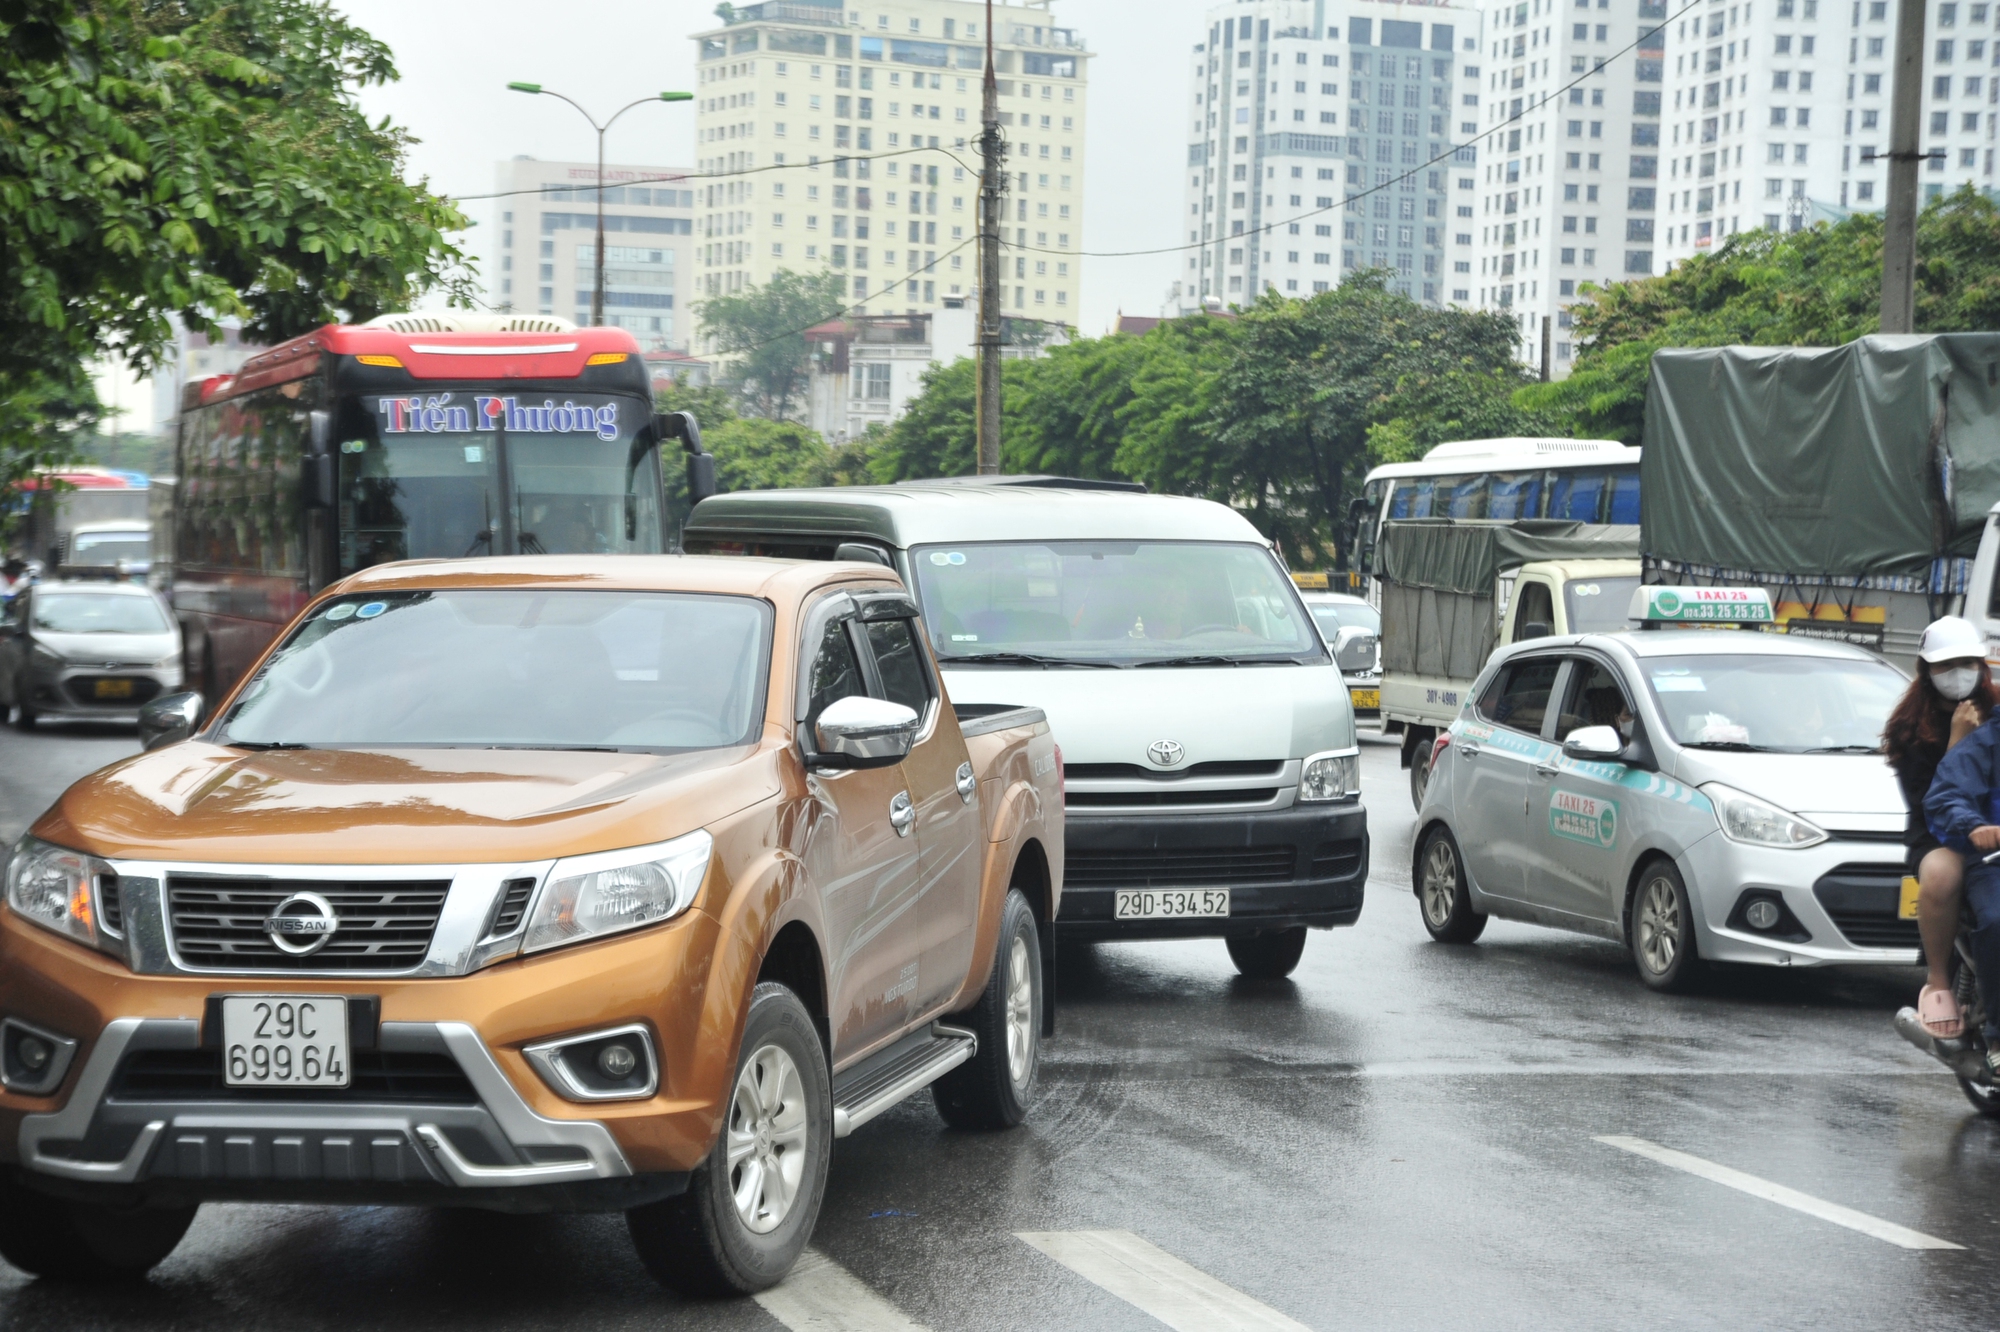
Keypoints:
pixel 763 330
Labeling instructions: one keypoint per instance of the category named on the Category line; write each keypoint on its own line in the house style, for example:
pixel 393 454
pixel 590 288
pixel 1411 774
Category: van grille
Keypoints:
pixel 1131 772
pixel 1262 795
pixel 1178 868
pixel 384 926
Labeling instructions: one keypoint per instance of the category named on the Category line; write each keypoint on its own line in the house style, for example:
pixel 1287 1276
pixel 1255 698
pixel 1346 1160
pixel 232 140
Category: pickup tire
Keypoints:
pixel 750 1207
pixel 1269 955
pixel 84 1242
pixel 991 1089
pixel 1443 898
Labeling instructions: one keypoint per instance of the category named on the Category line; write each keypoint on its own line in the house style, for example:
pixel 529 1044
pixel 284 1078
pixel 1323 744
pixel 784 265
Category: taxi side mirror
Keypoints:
pixel 1597 744
pixel 863 732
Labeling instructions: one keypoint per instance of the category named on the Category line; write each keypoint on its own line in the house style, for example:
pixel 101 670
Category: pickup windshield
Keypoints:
pixel 1785 704
pixel 493 668
pixel 1122 603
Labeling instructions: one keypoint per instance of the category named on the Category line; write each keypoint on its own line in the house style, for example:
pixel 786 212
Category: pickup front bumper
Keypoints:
pixel 1302 865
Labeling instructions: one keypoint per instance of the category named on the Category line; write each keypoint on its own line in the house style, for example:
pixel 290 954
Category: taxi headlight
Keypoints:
pixel 1334 776
pixel 1745 818
pixel 587 897
pixel 56 888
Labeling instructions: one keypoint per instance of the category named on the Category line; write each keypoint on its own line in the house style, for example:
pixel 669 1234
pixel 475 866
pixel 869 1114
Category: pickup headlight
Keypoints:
pixel 57 889
pixel 1334 776
pixel 611 891
pixel 1745 818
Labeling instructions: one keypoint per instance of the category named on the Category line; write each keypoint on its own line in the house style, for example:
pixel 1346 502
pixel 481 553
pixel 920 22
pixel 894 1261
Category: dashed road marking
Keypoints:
pixel 822 1296
pixel 1158 1283
pixel 1887 1231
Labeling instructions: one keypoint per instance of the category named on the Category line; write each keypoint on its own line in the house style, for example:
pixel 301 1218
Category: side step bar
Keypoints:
pixel 898 1073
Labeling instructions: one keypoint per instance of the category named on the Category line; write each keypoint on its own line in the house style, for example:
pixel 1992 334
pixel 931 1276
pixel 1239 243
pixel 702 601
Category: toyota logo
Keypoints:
pixel 302 924
pixel 1166 753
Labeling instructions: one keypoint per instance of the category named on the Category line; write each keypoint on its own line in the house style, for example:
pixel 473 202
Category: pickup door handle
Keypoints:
pixel 902 814
pixel 967 783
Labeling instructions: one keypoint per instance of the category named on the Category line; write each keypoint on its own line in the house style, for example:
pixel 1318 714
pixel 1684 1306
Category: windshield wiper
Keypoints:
pixel 1846 749
pixel 262 745
pixel 1024 659
pixel 1731 746
pixel 1215 659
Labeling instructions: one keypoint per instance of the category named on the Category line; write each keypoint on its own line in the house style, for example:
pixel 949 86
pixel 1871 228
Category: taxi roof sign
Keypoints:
pixel 1310 582
pixel 1701 605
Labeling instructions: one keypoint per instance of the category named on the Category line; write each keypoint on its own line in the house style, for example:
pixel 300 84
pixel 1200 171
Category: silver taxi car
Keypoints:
pixel 1694 796
pixel 86 651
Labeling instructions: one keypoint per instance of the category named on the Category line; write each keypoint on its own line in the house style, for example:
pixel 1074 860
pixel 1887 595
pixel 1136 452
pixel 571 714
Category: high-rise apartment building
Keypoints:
pixel 1780 113
pixel 1569 173
pixel 1317 130
pixel 838 137
pixel 547 233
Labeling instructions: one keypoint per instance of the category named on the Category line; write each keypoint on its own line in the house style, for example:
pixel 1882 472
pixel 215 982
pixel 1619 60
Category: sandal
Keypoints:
pixel 1938 1011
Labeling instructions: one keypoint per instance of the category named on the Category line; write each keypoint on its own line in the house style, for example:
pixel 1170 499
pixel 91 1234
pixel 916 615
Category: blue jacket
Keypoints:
pixel 1965 794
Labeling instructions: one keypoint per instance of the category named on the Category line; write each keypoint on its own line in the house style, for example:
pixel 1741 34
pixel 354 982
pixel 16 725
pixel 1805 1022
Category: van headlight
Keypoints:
pixel 607 892
pixel 1745 818
pixel 1331 776
pixel 56 888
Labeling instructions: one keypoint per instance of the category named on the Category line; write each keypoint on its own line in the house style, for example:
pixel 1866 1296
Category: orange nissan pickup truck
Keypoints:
pixel 556 883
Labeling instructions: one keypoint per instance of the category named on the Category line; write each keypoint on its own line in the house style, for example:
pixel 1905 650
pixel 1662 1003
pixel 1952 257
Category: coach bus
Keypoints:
pixel 1590 480
pixel 408 437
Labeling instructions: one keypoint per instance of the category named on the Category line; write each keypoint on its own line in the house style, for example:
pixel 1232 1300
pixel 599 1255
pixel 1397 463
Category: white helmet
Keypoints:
pixel 1952 639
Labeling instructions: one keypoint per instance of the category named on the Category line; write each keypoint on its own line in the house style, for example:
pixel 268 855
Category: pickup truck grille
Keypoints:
pixel 386 926
pixel 1179 867
pixel 1861 899
pixel 378 1077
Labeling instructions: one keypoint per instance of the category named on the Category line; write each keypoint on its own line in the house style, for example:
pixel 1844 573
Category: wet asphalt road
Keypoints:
pixel 1401 1136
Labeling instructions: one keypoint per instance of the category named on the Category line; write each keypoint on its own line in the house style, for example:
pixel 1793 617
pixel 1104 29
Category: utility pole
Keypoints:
pixel 1899 223
pixel 992 153
pixel 1546 376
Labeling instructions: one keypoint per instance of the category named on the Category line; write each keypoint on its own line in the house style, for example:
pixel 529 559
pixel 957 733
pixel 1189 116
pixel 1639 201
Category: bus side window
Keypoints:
pixel 1624 499
pixel 1578 496
pixel 1515 496
pixel 1467 497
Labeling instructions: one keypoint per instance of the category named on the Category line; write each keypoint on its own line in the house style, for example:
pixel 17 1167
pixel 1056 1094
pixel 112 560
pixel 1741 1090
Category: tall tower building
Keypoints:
pixel 547 232
pixel 1316 129
pixel 1569 182
pixel 842 136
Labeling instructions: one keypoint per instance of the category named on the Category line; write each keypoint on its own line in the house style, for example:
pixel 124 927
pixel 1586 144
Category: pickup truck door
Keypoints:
pixel 1495 774
pixel 944 790
pixel 862 855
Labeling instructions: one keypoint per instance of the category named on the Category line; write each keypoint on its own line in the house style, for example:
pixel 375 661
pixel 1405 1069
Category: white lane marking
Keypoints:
pixel 822 1296
pixel 1158 1283
pixel 1888 1231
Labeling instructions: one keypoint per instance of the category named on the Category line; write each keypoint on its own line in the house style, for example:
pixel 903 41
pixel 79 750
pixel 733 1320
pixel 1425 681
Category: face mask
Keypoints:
pixel 1956 683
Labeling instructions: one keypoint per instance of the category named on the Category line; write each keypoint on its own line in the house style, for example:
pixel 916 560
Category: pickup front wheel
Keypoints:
pixel 991 1089
pixel 750 1207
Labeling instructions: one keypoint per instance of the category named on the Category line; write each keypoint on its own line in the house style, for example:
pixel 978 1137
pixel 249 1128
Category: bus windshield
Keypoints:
pixel 452 475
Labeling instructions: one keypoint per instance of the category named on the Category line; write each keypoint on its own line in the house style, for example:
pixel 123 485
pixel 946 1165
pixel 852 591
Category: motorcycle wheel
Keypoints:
pixel 1986 1100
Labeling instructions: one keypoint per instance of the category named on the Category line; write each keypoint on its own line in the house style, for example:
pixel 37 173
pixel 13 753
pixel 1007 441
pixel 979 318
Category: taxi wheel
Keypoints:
pixel 991 1089
pixel 750 1207
pixel 85 1242
pixel 1662 930
pixel 1442 892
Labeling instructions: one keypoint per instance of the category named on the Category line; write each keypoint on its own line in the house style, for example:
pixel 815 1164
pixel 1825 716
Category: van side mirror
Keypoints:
pixel 863 732
pixel 170 720
pixel 862 552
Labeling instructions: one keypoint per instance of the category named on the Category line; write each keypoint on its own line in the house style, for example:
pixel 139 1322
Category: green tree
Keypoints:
pixel 44 421
pixel 1815 288
pixel 761 330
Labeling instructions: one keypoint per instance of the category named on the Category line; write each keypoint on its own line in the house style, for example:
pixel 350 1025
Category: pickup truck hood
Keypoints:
pixel 1844 791
pixel 199 802
pixel 1214 713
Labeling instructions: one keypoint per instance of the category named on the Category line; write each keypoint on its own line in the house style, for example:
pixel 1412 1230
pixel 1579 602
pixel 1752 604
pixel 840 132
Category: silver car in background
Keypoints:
pixel 1352 630
pixel 86 651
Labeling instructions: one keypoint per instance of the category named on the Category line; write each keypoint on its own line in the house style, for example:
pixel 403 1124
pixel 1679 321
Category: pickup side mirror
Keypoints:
pixel 1596 744
pixel 862 732
pixel 170 720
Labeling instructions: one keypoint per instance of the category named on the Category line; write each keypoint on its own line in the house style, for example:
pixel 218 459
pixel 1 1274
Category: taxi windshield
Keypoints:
pixel 1111 603
pixel 500 668
pixel 1785 704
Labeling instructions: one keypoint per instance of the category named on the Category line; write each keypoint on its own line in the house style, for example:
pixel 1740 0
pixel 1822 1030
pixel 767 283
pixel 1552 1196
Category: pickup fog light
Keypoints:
pixel 587 897
pixel 1745 818
pixel 56 889
pixel 1333 776
pixel 615 1065
pixel 32 1061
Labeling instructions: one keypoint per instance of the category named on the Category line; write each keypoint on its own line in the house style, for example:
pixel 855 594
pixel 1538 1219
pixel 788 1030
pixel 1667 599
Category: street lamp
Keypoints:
pixel 597 289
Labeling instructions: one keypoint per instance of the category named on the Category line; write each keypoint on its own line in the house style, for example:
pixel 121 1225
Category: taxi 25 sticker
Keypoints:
pixel 1582 818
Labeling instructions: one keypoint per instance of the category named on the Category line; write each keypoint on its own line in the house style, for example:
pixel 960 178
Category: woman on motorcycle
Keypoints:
pixel 1951 696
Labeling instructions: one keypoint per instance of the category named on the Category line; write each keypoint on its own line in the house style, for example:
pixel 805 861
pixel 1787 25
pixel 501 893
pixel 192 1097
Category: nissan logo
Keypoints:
pixel 302 924
pixel 1166 753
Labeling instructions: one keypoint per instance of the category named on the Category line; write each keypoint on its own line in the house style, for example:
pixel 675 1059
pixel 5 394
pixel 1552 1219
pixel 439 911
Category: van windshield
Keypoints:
pixel 1111 603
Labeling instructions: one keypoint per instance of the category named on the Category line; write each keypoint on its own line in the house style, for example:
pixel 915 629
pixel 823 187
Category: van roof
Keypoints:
pixel 921 515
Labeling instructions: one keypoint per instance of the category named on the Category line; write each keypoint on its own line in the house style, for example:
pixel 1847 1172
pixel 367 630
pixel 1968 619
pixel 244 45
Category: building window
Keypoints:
pixel 877 383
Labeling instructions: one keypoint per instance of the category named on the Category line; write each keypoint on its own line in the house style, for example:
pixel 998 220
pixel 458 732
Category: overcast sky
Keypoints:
pixel 457 58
